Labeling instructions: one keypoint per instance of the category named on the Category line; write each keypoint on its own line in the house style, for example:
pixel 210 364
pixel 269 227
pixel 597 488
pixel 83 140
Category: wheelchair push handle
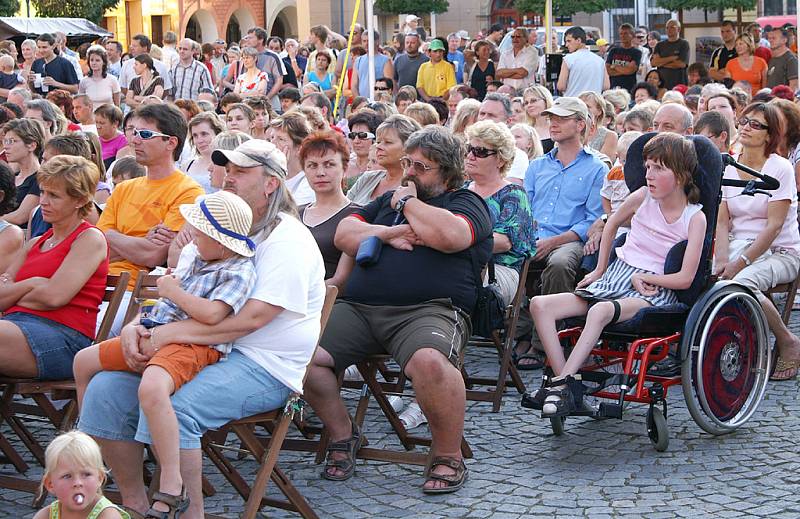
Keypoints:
pixel 751 187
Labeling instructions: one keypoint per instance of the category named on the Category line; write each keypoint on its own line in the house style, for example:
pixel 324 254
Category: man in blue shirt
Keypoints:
pixel 564 192
pixel 455 56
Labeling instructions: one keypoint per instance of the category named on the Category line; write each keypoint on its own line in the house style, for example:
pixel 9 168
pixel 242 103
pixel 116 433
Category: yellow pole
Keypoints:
pixel 346 58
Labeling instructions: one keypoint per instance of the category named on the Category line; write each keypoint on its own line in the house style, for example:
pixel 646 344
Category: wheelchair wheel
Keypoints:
pixel 657 429
pixel 726 358
pixel 557 423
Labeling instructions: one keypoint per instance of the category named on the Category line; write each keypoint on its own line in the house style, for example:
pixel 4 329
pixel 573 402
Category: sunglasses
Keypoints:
pixel 480 153
pixel 382 89
pixel 752 123
pixel 360 135
pixel 146 135
pixel 406 163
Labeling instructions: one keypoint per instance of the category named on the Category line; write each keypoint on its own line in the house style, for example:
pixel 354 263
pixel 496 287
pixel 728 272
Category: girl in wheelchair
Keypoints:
pixel 662 213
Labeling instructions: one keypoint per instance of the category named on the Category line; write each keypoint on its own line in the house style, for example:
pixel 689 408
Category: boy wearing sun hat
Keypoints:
pixel 436 76
pixel 214 277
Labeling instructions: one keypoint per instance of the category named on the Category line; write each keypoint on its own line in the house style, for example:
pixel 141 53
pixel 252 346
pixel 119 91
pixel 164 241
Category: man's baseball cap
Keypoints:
pixel 436 45
pixel 252 153
pixel 601 42
pixel 567 106
pixel 412 18
pixel 464 35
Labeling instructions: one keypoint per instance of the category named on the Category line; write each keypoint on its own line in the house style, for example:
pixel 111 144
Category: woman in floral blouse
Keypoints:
pixel 490 153
pixel 252 81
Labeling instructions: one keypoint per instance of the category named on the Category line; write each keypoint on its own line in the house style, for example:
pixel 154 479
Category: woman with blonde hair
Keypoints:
pixel 747 66
pixel 490 153
pixel 619 97
pixel 537 99
pixel 527 140
pixel 423 113
pixel 466 114
pixel 391 137
pixel 599 137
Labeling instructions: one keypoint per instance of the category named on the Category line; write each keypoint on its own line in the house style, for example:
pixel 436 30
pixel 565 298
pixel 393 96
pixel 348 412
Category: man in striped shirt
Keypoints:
pixel 189 75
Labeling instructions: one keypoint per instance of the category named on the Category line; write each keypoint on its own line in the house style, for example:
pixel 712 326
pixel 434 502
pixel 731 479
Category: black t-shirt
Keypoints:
pixel 59 69
pixel 621 56
pixel 721 56
pixel 412 277
pixel 29 186
pixel 673 76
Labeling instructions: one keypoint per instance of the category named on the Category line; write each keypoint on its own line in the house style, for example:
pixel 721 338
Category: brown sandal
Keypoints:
pixel 347 464
pixel 177 505
pixel 785 365
pixel 454 481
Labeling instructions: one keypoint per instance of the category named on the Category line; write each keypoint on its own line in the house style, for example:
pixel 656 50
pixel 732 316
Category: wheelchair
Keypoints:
pixel 717 327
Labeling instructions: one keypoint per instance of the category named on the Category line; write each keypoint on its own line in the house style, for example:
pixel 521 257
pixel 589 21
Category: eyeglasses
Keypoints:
pixel 382 89
pixel 146 135
pixel 9 142
pixel 752 123
pixel 480 153
pixel 360 135
pixel 406 163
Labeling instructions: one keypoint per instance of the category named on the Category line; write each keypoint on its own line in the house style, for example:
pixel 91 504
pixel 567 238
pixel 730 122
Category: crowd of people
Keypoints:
pixel 231 164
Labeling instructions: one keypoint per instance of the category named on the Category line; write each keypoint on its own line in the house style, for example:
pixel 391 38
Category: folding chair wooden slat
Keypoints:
pixel 267 454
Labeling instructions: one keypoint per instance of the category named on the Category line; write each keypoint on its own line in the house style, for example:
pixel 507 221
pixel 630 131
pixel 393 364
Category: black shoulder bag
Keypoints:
pixel 489 313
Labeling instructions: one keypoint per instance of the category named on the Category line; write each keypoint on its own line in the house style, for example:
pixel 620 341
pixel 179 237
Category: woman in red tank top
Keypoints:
pixel 51 293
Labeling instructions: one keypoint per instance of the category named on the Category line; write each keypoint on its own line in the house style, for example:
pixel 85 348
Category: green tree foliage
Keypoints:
pixel 9 7
pixel 411 6
pixel 90 9
pixel 564 7
pixel 708 5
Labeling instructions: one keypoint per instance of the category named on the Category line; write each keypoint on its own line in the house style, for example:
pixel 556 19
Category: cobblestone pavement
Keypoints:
pixel 597 469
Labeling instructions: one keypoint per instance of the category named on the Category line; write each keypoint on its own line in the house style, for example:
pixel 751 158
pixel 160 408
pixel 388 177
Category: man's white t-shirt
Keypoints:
pixel 301 190
pixel 290 274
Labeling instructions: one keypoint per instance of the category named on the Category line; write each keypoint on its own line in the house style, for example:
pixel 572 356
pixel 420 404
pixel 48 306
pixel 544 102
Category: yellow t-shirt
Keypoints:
pixel 139 204
pixel 436 79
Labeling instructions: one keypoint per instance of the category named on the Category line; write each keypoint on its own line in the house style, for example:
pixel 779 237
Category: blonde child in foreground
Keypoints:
pixel 74 474
pixel 663 213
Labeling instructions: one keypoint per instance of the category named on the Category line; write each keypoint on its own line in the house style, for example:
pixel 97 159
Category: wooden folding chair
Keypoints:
pixel 790 289
pixel 43 393
pixel 503 341
pixel 277 423
pixel 145 288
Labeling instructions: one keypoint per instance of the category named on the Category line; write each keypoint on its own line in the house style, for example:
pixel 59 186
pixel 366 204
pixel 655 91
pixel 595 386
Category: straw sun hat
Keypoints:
pixel 225 218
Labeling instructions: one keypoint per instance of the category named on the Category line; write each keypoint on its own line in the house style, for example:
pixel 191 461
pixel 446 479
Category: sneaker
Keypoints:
pixel 413 416
pixel 396 402
pixel 352 374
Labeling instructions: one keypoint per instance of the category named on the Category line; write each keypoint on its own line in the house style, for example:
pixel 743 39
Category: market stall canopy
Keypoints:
pixel 78 30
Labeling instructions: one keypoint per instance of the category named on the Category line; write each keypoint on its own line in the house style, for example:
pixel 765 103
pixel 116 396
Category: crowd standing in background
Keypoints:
pixel 462 155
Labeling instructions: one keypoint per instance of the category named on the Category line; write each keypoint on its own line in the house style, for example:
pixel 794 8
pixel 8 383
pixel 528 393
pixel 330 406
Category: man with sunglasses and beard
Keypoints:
pixel 141 216
pixel 411 300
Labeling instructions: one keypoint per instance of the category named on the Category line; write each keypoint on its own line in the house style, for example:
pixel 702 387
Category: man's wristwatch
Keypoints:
pixel 746 260
pixel 604 217
pixel 402 203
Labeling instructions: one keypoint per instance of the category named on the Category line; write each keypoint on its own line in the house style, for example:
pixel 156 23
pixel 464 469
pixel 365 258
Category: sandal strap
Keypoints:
pixel 169 499
pixel 456 464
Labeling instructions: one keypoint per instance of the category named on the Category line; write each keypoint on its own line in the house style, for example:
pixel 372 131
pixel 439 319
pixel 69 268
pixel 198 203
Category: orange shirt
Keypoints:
pixel 754 75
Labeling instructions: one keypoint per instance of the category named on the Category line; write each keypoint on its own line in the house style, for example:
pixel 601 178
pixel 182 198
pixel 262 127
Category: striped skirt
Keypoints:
pixel 616 284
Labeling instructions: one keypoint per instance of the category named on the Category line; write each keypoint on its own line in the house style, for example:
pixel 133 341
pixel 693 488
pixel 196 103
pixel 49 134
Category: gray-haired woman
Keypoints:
pixel 391 137
pixel 273 337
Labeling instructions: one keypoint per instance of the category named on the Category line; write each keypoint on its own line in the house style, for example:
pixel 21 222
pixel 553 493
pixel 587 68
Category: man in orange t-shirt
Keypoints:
pixel 141 217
